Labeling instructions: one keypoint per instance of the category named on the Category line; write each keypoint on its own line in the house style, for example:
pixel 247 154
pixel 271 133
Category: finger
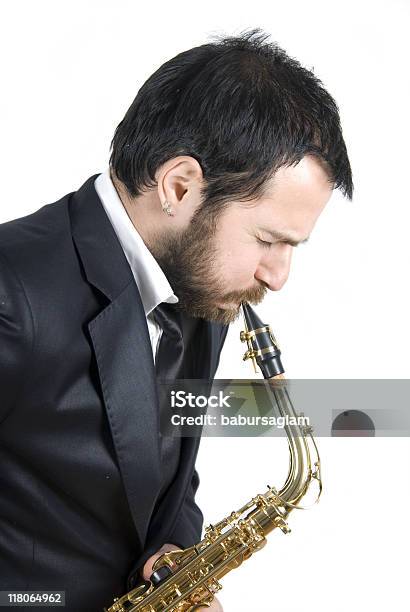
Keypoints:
pixel 147 569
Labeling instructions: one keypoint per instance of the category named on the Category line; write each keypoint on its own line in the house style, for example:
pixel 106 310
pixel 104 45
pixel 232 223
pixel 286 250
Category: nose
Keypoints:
pixel 273 268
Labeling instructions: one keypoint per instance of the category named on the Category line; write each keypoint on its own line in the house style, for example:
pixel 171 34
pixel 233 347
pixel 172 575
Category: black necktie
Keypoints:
pixel 168 367
pixel 170 354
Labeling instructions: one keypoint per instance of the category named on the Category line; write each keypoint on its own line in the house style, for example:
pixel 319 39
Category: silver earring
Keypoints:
pixel 166 207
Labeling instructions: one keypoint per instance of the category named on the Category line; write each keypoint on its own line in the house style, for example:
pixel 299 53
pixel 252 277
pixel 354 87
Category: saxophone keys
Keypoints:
pixel 243 336
pixel 202 604
pixel 282 524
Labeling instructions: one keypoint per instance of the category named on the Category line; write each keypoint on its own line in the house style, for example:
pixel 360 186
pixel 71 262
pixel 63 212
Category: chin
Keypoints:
pixel 225 306
pixel 229 305
pixel 223 312
pixel 227 314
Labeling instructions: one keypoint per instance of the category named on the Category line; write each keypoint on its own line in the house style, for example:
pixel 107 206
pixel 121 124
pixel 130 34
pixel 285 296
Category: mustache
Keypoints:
pixel 255 295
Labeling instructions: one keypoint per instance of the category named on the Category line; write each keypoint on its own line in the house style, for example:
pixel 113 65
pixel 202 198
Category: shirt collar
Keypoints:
pixel 151 281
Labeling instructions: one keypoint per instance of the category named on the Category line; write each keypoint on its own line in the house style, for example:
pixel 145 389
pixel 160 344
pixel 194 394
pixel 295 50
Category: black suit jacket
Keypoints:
pixel 79 453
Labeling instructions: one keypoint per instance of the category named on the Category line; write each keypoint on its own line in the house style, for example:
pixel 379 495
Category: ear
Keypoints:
pixel 179 181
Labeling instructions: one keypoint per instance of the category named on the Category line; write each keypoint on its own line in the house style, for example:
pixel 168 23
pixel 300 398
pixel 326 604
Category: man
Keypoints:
pixel 220 167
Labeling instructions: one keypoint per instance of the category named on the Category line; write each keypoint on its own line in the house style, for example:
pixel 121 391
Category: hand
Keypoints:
pixel 147 571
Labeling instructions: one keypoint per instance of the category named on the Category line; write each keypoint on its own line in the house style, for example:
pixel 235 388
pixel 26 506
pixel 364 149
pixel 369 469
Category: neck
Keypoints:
pixel 140 210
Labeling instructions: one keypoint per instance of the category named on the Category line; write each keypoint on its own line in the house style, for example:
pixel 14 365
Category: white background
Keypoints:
pixel 69 72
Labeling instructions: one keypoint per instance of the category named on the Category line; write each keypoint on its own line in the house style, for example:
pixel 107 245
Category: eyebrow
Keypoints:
pixel 282 237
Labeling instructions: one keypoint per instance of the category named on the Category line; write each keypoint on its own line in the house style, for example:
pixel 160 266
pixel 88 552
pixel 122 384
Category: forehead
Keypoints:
pixel 295 196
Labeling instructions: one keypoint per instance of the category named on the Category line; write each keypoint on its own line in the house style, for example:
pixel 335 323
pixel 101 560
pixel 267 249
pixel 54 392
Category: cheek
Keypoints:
pixel 236 252
pixel 238 264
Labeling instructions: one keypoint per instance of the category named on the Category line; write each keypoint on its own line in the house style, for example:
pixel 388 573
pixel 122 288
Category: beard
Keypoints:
pixel 189 261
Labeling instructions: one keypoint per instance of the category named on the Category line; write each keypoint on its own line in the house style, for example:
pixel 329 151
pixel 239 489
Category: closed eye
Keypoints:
pixel 281 237
pixel 264 243
pixel 267 245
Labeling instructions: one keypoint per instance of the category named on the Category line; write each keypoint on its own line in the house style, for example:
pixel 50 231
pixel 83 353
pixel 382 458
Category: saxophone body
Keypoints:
pixel 186 580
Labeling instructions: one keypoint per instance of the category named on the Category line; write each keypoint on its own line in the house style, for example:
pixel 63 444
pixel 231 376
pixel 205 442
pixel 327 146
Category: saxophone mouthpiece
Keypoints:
pixel 262 346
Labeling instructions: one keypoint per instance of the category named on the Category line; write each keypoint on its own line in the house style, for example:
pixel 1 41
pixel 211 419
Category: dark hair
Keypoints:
pixel 242 108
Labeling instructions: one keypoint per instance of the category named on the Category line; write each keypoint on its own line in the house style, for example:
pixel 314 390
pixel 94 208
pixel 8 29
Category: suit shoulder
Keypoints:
pixel 44 223
pixel 38 237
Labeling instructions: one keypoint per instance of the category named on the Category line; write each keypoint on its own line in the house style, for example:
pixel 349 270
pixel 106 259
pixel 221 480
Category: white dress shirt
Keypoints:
pixel 151 281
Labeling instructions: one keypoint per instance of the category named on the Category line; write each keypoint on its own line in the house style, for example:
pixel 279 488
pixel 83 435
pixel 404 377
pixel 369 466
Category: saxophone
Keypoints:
pixel 185 580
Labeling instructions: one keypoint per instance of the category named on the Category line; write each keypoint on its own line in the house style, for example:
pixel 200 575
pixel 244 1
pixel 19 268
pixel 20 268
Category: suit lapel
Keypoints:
pixel 125 364
pixel 123 352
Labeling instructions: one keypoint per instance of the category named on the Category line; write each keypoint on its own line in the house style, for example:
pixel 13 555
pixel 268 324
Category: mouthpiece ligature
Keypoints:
pixel 263 348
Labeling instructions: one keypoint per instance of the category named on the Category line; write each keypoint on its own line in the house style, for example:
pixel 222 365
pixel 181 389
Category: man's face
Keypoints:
pixel 214 265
